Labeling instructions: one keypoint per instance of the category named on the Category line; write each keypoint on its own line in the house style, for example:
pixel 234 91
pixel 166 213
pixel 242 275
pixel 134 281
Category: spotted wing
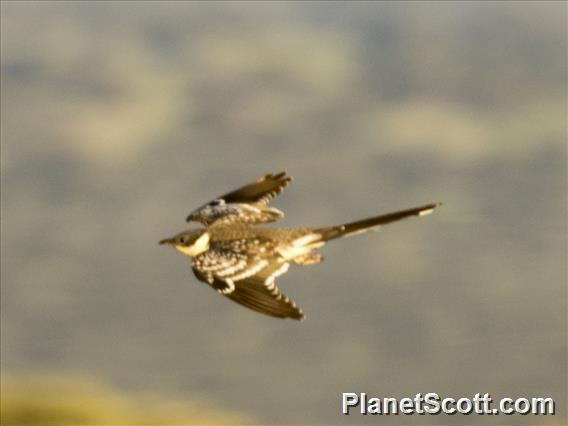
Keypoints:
pixel 248 204
pixel 248 280
pixel 261 294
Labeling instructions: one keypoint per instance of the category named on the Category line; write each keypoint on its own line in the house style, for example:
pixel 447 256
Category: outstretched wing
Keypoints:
pixel 261 294
pixel 248 204
pixel 261 191
pixel 248 280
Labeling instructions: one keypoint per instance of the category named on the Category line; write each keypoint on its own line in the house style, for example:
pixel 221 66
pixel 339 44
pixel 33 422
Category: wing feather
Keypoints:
pixel 251 285
pixel 247 204
pixel 262 300
pixel 261 191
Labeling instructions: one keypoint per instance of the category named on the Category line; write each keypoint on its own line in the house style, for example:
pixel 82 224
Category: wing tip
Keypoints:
pixel 282 176
pixel 297 315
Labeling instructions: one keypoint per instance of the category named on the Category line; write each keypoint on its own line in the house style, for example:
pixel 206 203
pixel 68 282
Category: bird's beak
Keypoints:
pixel 167 241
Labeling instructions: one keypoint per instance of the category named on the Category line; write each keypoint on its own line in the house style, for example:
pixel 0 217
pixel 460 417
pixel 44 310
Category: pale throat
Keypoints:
pixel 199 246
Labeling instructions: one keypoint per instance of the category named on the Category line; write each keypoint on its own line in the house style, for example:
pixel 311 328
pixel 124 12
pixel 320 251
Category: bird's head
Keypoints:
pixel 190 243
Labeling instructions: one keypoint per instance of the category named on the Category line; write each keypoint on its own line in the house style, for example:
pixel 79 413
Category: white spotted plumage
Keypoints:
pixel 253 269
pixel 242 262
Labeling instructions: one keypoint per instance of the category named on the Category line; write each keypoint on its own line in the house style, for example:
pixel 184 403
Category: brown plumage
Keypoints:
pixel 241 261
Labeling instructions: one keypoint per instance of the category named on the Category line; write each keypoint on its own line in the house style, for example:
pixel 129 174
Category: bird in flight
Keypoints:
pixel 241 260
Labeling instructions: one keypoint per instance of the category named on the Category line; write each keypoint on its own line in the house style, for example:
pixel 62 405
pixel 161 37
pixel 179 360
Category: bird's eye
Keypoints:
pixel 216 202
pixel 182 240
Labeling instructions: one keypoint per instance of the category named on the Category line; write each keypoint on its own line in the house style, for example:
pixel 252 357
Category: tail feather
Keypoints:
pixel 364 225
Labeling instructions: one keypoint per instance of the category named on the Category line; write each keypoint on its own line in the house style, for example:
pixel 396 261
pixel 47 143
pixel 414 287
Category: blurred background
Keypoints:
pixel 118 119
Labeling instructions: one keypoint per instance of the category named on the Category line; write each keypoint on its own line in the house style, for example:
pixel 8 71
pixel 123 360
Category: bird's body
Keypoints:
pixel 245 232
pixel 241 260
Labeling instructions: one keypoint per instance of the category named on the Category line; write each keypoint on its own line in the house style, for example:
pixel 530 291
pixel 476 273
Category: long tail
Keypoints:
pixel 347 229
